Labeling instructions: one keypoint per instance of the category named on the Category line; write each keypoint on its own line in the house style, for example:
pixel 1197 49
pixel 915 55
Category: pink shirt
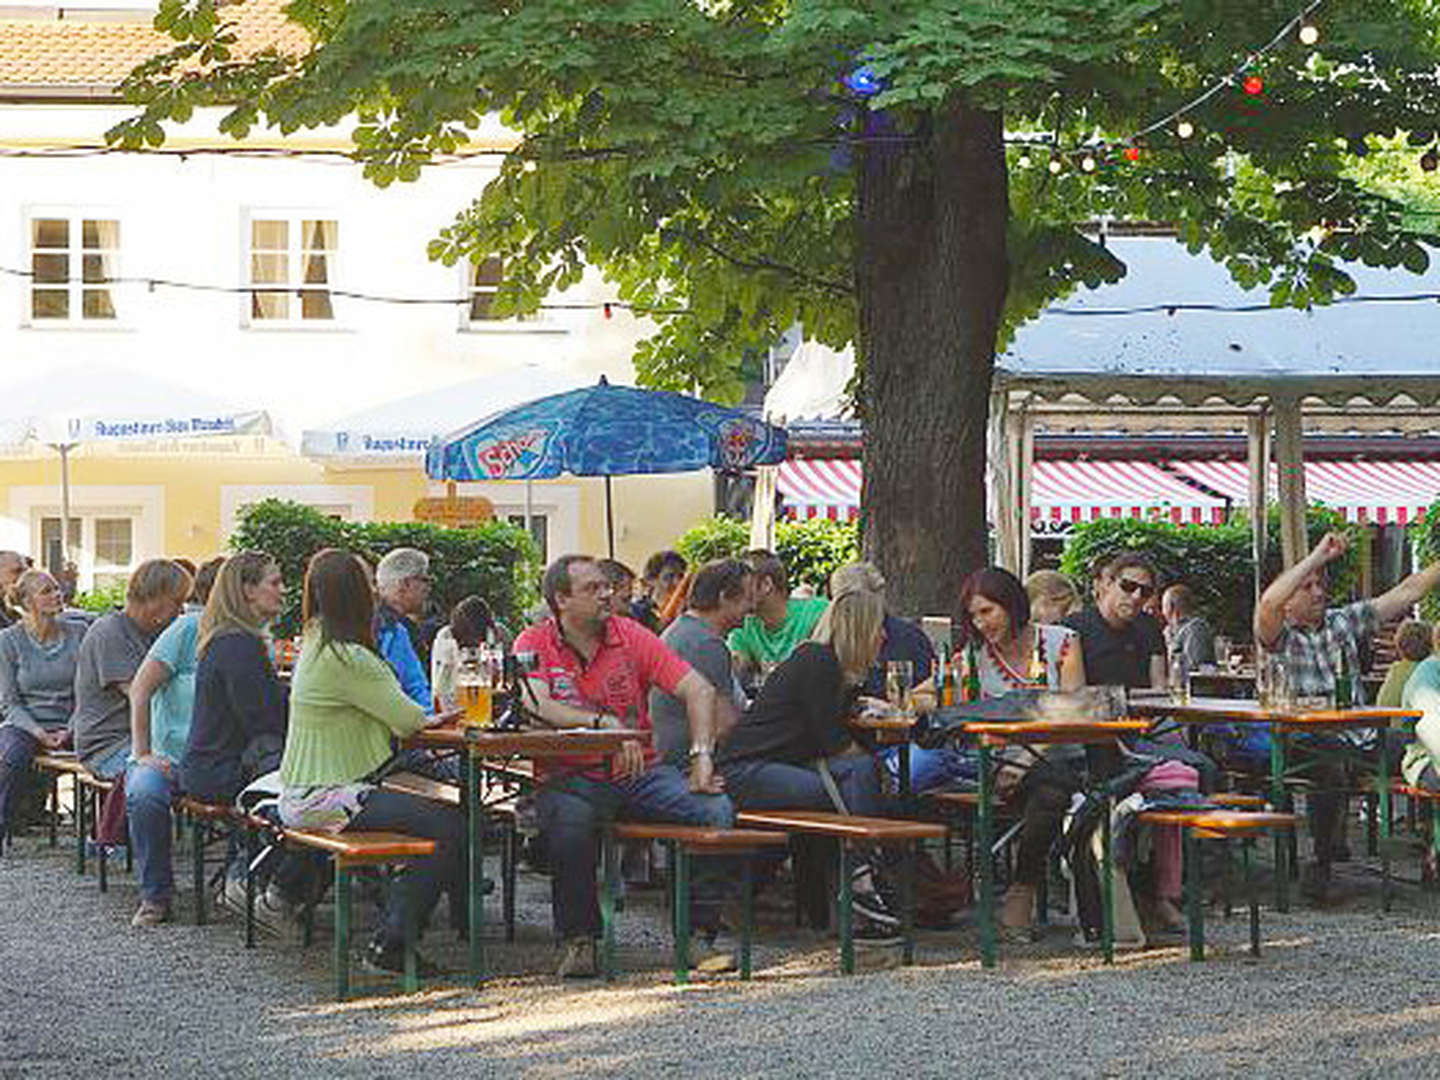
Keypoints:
pixel 616 681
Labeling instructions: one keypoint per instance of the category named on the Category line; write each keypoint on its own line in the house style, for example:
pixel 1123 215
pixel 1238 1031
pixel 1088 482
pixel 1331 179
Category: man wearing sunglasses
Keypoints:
pixel 1121 645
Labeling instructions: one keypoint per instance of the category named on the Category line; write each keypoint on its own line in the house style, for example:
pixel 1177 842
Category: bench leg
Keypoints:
pixel 1107 886
pixel 1195 910
pixel 249 888
pixel 680 896
pixel 980 843
pixel 609 859
pixel 197 868
pixel 511 854
pixel 907 903
pixel 747 911
pixel 475 852
pixel 1250 897
pixel 411 981
pixel 846 912
pixel 54 810
pixel 342 931
pixel 81 826
pixel 101 850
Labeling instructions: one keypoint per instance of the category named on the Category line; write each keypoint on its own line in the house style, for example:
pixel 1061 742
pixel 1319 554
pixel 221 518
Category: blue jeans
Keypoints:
pixel 423 880
pixel 573 810
pixel 108 766
pixel 931 768
pixel 777 785
pixel 17 749
pixel 148 793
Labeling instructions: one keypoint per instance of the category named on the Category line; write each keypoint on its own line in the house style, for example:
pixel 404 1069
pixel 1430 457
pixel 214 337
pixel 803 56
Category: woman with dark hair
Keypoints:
pixel 1009 651
pixel 471 624
pixel 345 706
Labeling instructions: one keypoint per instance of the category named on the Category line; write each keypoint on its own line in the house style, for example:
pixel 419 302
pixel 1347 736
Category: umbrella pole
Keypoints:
pixel 609 519
pixel 64 449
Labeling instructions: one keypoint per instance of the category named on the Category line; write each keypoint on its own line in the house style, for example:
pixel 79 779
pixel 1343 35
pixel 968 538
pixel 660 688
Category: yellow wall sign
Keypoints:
pixel 456 511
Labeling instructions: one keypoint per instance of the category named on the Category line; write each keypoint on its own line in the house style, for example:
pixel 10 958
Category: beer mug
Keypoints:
pixel 1180 678
pixel 475 688
pixel 899 674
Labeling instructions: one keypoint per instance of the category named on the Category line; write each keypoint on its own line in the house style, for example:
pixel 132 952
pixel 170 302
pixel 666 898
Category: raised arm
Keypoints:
pixel 1399 600
pixel 1270 611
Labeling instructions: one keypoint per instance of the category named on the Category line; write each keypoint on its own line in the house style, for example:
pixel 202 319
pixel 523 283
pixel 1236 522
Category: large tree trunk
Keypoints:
pixel 931 278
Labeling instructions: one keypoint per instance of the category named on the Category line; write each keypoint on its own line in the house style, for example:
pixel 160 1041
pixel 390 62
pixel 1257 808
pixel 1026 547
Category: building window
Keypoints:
pixel 50 543
pixel 484 281
pixel 114 542
pixel 295 255
pixel 73 263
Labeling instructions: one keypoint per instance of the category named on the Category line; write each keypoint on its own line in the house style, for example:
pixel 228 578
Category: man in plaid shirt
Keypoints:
pixel 1291 620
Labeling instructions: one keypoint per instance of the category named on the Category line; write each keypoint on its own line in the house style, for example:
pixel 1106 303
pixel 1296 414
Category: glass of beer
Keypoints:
pixel 474 689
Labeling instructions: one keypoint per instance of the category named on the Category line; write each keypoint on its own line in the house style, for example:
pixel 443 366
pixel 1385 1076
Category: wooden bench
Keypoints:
pixel 349 850
pixel 88 788
pixel 847 830
pixel 209 823
pixel 1221 825
pixel 684 841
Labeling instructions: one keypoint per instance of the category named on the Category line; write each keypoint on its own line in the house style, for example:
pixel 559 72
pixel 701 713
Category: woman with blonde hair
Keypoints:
pixel 1052 596
pixel 793 743
pixel 37 681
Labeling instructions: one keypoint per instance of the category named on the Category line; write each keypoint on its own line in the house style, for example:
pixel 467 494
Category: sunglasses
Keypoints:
pixel 1131 587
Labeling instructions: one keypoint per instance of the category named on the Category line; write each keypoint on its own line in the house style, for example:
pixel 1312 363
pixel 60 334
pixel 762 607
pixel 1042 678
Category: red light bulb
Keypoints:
pixel 1132 153
pixel 1253 85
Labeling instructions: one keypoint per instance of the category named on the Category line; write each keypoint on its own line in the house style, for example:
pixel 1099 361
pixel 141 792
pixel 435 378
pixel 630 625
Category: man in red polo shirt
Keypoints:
pixel 596 670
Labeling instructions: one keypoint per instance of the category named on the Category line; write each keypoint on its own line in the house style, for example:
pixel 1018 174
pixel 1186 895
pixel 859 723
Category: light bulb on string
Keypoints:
pixel 1023 160
pixel 1132 153
pixel 1253 85
pixel 1430 160
pixel 1184 129
pixel 1308 33
pixel 1055 166
pixel 1087 163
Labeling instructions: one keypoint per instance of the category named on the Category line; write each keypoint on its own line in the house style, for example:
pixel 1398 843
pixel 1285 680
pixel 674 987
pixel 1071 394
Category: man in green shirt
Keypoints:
pixel 779 624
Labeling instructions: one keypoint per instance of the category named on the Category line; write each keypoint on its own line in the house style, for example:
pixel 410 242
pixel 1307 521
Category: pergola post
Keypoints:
pixel 1290 463
pixel 1258 437
pixel 1012 456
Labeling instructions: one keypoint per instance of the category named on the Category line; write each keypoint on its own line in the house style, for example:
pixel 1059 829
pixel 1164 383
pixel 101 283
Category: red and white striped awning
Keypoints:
pixel 1367 491
pixel 1063 491
pixel 820 487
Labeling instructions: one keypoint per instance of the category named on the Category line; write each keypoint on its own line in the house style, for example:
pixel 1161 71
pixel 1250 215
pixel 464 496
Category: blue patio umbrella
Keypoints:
pixel 607 431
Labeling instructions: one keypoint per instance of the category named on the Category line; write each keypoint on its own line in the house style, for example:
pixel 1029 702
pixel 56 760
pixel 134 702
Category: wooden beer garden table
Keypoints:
pixel 483 745
pixel 1201 711
pixel 994 734
pixel 893 729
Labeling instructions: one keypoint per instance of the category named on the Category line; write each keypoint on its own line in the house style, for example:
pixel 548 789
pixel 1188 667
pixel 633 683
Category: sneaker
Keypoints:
pixel 872 906
pixel 274 913
pixel 231 896
pixel 579 959
pixel 388 958
pixel 869 932
pixel 150 913
pixel 712 954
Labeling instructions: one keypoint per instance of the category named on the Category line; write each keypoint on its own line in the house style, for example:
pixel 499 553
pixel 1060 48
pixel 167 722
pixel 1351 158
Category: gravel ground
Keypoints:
pixel 1345 992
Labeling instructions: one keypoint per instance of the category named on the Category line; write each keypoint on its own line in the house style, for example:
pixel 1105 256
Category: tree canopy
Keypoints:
pixel 710 158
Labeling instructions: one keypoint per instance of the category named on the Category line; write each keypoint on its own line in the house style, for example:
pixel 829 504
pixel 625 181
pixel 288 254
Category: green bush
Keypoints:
pixel 103 600
pixel 1425 534
pixel 496 560
pixel 812 549
pixel 719 537
pixel 1214 560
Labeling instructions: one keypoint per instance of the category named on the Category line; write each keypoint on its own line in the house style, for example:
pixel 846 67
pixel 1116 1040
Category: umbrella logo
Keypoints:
pixel 736 437
pixel 499 459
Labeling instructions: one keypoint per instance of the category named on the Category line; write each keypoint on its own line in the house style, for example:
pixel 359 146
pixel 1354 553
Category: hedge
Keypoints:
pixel 810 549
pixel 496 560
pixel 1425 535
pixel 1214 560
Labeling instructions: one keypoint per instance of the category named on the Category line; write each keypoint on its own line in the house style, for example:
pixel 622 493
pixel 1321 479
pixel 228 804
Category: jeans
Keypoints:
pixel 17 749
pixel 931 768
pixel 776 785
pixel 108 766
pixel 148 793
pixel 573 810
pixel 423 880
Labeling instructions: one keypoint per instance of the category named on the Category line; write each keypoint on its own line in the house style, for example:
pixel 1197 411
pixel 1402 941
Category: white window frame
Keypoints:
pixel 542 322
pixel 76 216
pixel 294 219
pixel 143 504
pixel 352 502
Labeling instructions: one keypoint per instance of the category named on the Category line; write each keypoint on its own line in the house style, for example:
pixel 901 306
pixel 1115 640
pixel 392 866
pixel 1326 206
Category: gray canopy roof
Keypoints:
pixel 1135 342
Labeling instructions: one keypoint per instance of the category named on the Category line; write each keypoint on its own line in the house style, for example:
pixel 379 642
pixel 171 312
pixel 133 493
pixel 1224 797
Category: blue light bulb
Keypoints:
pixel 863 82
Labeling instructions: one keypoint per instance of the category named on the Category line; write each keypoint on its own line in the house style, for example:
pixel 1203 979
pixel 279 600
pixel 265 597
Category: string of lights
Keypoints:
pixel 608 307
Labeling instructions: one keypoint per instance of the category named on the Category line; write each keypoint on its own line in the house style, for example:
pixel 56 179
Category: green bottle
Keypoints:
pixel 1344 689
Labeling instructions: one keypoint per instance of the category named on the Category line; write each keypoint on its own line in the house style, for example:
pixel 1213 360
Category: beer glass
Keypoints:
pixel 475 688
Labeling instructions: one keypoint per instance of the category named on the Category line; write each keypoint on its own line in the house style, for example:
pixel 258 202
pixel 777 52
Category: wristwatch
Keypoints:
pixel 697 751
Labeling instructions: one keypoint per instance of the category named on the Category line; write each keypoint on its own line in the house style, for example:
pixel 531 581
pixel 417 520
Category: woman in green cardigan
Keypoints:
pixel 345 707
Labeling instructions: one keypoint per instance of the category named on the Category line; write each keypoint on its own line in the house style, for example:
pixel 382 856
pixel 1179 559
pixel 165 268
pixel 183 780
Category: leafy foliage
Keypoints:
pixel 814 548
pixel 703 155
pixel 1214 560
pixel 102 600
pixel 495 560
pixel 718 537
pixel 1425 534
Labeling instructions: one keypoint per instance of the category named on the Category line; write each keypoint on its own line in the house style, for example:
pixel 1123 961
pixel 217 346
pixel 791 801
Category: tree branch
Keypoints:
pixel 824 284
